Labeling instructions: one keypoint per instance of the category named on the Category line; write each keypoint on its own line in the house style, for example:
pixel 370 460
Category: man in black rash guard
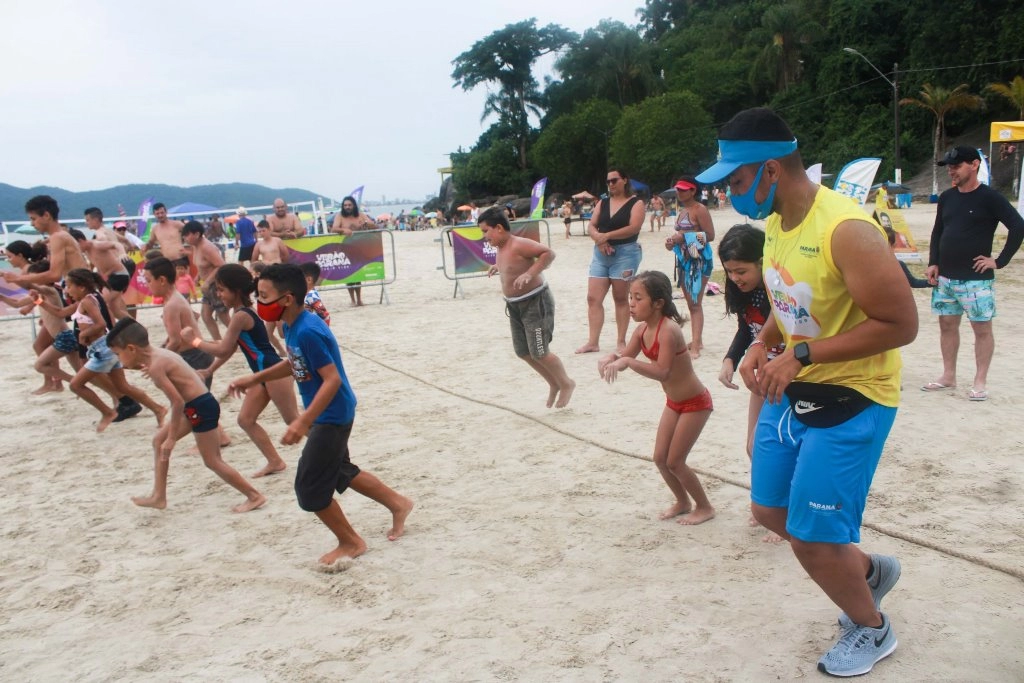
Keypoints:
pixel 961 267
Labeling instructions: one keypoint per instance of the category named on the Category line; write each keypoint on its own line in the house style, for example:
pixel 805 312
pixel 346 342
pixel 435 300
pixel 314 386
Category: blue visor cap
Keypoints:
pixel 734 153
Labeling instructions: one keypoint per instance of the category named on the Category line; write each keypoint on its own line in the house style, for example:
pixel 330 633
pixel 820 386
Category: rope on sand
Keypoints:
pixel 1015 572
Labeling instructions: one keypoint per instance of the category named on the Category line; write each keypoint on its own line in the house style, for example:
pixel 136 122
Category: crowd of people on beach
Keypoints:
pixel 821 302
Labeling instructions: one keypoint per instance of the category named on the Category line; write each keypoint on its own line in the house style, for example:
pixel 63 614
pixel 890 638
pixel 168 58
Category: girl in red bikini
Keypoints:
pixel 687 402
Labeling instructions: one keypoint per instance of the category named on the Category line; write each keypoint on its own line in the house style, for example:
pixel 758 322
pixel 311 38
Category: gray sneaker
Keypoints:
pixel 886 574
pixel 858 649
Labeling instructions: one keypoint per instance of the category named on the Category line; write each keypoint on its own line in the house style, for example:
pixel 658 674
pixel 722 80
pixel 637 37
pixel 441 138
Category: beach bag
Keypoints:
pixel 825 405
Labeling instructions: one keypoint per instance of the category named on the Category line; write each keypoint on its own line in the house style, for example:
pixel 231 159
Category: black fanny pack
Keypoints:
pixel 825 405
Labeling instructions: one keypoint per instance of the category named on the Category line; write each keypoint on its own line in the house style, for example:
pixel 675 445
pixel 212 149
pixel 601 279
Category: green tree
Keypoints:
pixel 1014 93
pixel 940 102
pixel 572 151
pixel 613 62
pixel 505 58
pixel 785 32
pixel 490 168
pixel 662 137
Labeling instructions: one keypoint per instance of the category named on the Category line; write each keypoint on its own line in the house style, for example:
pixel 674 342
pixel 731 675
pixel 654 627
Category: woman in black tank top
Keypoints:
pixel 615 228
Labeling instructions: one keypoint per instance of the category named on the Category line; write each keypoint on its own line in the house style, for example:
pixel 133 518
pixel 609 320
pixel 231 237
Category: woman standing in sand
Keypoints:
pixel 614 227
pixel 691 243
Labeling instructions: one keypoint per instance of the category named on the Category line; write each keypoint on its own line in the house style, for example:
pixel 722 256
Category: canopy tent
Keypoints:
pixel 1007 131
pixel 639 187
pixel 584 196
pixel 191 207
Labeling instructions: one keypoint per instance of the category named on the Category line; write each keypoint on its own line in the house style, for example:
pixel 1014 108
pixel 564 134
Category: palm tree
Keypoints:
pixel 785 31
pixel 1014 92
pixel 940 101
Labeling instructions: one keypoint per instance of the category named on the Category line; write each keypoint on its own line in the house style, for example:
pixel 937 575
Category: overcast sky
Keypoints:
pixel 321 95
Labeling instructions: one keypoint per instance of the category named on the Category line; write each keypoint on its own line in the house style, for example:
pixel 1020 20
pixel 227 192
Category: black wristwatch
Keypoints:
pixel 802 352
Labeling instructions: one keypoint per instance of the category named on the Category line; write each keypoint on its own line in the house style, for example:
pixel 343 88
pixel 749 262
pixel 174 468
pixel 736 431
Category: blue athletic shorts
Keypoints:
pixel 620 265
pixel 821 476
pixel 976 298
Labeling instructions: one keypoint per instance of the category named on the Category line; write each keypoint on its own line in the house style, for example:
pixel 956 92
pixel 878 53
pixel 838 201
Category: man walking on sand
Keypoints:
pixel 961 268
pixel 842 307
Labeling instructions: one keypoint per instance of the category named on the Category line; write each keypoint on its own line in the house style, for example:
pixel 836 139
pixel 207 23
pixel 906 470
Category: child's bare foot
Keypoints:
pixel 772 537
pixel 105 421
pixel 398 519
pixel 250 503
pixel 698 516
pixel 150 501
pixel 271 468
pixel 552 394
pixel 679 508
pixel 564 395
pixel 48 388
pixel 342 552
pixel 588 348
pixel 225 441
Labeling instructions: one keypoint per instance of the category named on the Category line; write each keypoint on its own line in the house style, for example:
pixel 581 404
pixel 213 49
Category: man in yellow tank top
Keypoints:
pixel 842 306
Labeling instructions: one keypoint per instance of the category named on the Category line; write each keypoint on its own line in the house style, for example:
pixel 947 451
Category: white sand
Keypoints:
pixel 534 552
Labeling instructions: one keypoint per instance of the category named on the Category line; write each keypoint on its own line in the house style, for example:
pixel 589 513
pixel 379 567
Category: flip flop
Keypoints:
pixel 977 395
pixel 937 386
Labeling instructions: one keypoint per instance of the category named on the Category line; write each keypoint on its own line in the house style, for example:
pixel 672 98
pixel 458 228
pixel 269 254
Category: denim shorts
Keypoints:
pixel 622 264
pixel 821 475
pixel 976 298
pixel 100 359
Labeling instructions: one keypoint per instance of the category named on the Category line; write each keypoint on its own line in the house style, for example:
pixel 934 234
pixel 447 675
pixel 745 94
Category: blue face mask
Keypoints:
pixel 748 206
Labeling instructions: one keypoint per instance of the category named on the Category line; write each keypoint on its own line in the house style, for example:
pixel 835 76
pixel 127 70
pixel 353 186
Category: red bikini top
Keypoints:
pixel 652 353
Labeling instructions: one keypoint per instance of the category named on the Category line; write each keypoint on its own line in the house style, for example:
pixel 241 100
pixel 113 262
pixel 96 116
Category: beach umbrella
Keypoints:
pixel 432 214
pixel 27 229
pixel 231 220
pixel 384 217
pixel 586 196
pixel 415 212
pixel 465 207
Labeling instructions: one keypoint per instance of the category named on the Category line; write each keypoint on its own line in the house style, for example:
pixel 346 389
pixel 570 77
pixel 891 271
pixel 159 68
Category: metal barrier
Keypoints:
pixel 359 245
pixel 472 256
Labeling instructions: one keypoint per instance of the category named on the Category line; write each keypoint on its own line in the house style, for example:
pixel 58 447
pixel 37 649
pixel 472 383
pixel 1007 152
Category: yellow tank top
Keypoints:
pixel 810 300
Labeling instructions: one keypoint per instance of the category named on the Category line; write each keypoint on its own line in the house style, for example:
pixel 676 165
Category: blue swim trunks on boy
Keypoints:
pixel 203 413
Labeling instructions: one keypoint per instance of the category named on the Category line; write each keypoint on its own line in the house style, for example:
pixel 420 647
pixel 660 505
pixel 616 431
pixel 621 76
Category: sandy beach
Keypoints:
pixel 535 552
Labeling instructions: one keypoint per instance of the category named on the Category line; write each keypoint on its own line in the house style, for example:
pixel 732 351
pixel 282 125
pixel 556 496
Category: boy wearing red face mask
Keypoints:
pixel 315 361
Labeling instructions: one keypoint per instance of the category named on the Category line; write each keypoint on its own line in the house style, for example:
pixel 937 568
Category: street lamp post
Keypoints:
pixel 898 175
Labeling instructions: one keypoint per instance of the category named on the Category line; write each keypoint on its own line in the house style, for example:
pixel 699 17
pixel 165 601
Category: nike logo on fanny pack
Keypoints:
pixel 803 407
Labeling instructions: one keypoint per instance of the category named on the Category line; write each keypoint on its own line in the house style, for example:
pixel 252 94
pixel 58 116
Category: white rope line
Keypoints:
pixel 1015 572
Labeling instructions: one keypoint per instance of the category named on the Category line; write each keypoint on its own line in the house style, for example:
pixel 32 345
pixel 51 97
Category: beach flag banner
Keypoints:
pixel 474 254
pixel 138 293
pixel 905 248
pixel 143 224
pixel 357 194
pixel 537 199
pixel 856 178
pixel 343 259
pixel 984 174
pixel 814 174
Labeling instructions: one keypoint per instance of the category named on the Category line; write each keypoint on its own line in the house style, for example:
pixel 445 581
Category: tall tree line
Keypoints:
pixel 649 96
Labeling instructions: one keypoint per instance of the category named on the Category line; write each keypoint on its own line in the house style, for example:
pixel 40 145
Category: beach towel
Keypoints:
pixel 692 269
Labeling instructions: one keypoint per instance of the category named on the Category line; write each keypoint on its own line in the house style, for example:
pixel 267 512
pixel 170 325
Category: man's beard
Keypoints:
pixel 348 212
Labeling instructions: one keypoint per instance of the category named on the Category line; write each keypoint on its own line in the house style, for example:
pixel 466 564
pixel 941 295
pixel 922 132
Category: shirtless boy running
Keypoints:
pixel 528 301
pixel 193 409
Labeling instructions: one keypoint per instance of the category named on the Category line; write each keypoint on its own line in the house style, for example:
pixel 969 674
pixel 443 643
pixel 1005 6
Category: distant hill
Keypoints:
pixel 74 204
